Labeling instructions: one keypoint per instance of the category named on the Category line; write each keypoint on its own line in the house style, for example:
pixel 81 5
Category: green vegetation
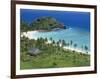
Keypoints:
pixel 52 54
pixel 42 23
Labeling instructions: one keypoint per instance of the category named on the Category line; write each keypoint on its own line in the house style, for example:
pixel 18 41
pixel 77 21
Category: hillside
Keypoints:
pixel 42 23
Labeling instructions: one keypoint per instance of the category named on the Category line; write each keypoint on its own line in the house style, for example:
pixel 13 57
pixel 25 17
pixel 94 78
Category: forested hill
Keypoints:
pixel 42 23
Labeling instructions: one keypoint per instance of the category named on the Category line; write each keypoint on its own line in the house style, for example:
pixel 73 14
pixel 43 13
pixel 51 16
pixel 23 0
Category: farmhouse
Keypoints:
pixel 34 51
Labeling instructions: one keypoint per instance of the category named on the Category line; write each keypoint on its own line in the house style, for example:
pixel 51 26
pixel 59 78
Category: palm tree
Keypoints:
pixel 57 43
pixel 82 47
pixel 40 42
pixel 75 45
pixel 63 43
pixel 53 42
pixel 71 42
pixel 51 39
pixel 86 48
pixel 59 40
pixel 46 39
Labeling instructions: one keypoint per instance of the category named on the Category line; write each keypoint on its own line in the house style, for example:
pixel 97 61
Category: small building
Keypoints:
pixel 34 51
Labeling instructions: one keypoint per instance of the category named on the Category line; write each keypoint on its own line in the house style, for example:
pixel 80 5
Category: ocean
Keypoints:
pixel 78 23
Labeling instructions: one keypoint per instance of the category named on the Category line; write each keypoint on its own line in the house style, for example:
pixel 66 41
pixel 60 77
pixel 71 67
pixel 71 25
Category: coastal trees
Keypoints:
pixel 51 55
pixel 24 26
pixel 86 47
pixel 75 45
pixel 63 43
pixel 71 42
pixel 51 39
pixel 59 41
pixel 58 44
pixel 67 44
pixel 46 40
pixel 82 47
pixel 53 42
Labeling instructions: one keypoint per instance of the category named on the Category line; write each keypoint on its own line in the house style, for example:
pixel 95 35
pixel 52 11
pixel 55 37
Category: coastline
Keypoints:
pixel 29 35
pixel 73 49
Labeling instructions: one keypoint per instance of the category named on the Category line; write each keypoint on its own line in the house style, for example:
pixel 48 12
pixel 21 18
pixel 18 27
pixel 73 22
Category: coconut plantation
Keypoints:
pixel 41 54
pixel 46 42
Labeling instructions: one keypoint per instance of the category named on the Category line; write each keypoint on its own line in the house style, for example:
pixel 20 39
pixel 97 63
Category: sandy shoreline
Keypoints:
pixel 30 34
pixel 73 49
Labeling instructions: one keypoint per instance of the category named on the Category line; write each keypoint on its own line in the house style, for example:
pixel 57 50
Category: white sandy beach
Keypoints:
pixel 31 34
pixel 73 49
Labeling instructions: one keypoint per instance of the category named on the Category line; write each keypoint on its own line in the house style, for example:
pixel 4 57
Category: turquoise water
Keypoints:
pixel 78 36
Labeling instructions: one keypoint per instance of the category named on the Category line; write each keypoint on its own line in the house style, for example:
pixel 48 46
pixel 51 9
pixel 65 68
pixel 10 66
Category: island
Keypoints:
pixel 42 24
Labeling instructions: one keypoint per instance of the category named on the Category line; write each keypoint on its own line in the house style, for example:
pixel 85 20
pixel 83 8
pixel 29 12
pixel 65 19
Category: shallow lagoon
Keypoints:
pixel 78 36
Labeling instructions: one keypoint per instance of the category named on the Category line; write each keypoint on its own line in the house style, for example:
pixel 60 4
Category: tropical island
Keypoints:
pixel 42 24
pixel 48 53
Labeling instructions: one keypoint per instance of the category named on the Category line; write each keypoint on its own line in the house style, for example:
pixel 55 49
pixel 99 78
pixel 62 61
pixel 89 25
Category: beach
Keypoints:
pixel 72 49
pixel 31 34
